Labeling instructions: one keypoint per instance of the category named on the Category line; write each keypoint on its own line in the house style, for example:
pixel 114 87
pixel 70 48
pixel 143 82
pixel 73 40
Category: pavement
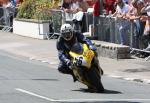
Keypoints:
pixel 135 69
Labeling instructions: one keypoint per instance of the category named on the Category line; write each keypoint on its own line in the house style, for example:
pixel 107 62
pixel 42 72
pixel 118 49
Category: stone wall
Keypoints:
pixel 111 50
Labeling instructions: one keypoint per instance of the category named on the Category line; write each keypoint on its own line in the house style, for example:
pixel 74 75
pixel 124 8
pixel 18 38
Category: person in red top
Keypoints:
pixel 96 13
pixel 96 7
pixel 109 6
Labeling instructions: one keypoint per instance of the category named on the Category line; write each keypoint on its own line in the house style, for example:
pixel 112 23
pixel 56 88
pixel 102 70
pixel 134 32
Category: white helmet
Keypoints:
pixel 66 31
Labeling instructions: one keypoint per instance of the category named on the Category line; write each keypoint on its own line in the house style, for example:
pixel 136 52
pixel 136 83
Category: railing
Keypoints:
pixel 5 19
pixel 60 17
pixel 108 29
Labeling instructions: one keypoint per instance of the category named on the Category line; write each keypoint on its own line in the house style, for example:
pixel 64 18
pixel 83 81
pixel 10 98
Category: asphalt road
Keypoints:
pixel 29 81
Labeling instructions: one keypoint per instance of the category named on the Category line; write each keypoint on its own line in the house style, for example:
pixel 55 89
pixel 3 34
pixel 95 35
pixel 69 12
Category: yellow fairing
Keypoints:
pixel 86 56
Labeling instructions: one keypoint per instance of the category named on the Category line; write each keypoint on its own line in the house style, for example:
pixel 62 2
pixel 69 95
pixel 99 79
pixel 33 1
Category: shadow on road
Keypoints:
pixel 46 79
pixel 105 92
pixel 137 70
pixel 111 92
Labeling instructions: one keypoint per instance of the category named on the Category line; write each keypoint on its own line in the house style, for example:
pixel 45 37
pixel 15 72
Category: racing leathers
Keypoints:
pixel 64 47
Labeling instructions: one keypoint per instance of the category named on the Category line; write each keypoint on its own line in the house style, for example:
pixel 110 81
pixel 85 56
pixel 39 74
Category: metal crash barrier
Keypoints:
pixel 60 17
pixel 108 28
pixel 56 22
pixel 5 20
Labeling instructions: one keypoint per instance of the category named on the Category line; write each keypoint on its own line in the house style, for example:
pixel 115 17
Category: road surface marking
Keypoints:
pixel 34 94
pixel 77 100
pixel 100 100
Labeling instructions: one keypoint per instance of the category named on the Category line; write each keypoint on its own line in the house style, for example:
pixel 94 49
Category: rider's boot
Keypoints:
pixel 67 70
pixel 71 72
pixel 74 77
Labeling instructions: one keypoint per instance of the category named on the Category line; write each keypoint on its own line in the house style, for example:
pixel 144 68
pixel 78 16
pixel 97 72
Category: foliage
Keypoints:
pixel 37 9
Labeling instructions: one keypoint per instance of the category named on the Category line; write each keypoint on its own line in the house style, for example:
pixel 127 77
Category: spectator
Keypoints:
pixel 109 6
pixel 79 5
pixel 74 11
pixel 66 6
pixel 74 6
pixel 137 6
pixel 96 13
pixel 147 26
pixel 83 5
pixel 134 16
pixel 77 15
pixel 121 10
pixel 70 6
pixel 146 18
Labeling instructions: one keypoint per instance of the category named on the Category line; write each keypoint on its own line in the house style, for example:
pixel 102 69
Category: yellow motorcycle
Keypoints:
pixel 85 67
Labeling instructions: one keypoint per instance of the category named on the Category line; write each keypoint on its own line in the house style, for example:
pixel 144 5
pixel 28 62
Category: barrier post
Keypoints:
pixel 131 34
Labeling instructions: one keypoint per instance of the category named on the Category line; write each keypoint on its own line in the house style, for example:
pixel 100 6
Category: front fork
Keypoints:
pixel 97 64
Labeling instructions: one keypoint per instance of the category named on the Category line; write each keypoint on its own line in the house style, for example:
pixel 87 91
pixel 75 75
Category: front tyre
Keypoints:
pixel 94 79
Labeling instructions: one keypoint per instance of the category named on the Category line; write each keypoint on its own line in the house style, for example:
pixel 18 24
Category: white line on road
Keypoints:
pixel 101 100
pixel 77 100
pixel 34 94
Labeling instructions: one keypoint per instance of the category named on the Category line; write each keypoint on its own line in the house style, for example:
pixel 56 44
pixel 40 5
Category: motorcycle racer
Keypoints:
pixel 64 43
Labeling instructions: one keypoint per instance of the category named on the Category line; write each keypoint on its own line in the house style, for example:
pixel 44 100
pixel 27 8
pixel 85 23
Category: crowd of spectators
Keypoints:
pixel 76 8
pixel 137 13
pixel 127 11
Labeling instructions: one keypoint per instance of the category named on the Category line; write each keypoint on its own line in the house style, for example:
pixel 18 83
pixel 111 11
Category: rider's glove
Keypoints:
pixel 68 63
pixel 92 47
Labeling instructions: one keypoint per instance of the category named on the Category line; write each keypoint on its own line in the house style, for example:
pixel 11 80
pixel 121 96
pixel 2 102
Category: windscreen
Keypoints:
pixel 77 48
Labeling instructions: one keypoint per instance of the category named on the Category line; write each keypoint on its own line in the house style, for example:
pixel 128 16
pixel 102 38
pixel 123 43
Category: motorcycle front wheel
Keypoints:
pixel 94 79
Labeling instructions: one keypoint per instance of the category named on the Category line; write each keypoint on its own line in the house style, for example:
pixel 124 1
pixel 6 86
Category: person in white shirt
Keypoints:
pixel 121 10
